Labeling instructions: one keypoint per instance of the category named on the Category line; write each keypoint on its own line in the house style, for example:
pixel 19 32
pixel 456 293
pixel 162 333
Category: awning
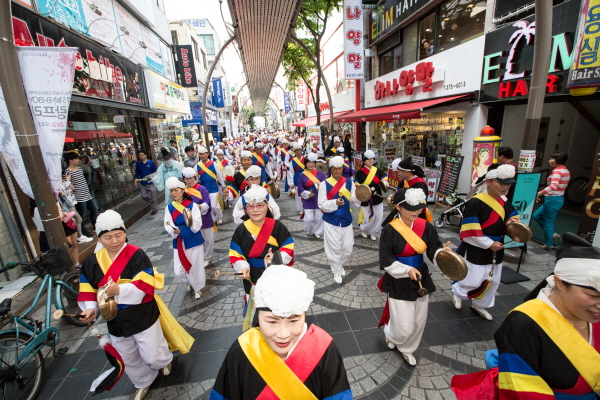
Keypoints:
pixel 312 121
pixel 399 111
pixel 86 136
pixel 101 106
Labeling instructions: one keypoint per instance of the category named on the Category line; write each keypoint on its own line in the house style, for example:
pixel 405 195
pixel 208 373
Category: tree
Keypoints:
pixel 248 112
pixel 297 67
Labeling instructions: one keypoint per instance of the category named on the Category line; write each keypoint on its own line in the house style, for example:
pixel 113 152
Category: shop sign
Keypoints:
pixel 227 91
pixel 98 72
pixel 585 69
pixel 195 116
pixel 287 107
pixel 300 97
pixel 185 66
pixel 508 56
pixel 218 100
pixel 389 15
pixel 437 76
pixel 394 178
pixel 166 95
pixel 524 199
pixel 353 39
pixel 314 134
pixel 390 150
pixel 591 212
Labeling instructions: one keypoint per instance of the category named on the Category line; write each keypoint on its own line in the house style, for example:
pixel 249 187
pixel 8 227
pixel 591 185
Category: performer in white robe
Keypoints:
pixel 210 177
pixel 253 177
pixel 308 187
pixel 371 211
pixel 295 168
pixel 188 243
pixel 335 195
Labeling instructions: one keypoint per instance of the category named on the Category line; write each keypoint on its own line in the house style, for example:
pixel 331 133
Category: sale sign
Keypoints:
pixel 353 39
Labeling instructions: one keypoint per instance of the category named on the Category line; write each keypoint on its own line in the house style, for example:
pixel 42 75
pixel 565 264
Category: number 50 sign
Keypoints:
pixel 353 39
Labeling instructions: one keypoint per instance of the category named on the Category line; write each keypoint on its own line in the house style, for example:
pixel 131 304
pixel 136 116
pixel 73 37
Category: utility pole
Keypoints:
pixel 25 132
pixel 539 74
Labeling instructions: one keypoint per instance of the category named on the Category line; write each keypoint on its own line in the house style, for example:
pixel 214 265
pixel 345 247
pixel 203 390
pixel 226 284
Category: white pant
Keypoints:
pixel 475 276
pixel 144 354
pixel 374 225
pixel 407 323
pixel 313 221
pixel 209 242
pixel 217 212
pixel 196 277
pixel 299 205
pixel 338 245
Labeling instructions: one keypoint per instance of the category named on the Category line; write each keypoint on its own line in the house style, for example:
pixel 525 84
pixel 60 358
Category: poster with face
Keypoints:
pixel 483 157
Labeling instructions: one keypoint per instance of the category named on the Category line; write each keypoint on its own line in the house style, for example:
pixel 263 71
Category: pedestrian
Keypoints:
pixel 482 236
pixel 554 198
pixel 74 175
pixel 143 168
pixel 173 149
pixel 371 211
pixel 505 156
pixel 210 177
pixel 188 243
pixel 201 197
pixel 404 240
pixel 281 355
pixel 308 187
pixel 67 197
pixel 335 196
pixel 348 146
pixel 167 169
pixel 258 236
pixel 253 178
pixel 192 159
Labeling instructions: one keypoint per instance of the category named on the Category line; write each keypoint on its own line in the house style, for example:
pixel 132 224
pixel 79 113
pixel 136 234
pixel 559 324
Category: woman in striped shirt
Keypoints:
pixel 554 195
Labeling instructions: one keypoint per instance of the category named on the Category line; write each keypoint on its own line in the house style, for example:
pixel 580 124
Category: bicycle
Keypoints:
pixel 576 190
pixel 22 364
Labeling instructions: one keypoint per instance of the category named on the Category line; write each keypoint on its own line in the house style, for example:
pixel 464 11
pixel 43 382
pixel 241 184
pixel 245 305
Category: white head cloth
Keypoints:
pixel 312 157
pixel 202 150
pixel 255 194
pixel 577 271
pixel 336 162
pixel 173 183
pixel 109 220
pixel 245 153
pixel 253 172
pixel 284 290
pixel 188 172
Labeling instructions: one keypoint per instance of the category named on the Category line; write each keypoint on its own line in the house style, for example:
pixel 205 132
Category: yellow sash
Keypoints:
pixel 310 176
pixel 371 175
pixel 300 164
pixel 193 192
pixel 409 235
pixel 580 353
pixel 220 164
pixel 175 334
pixel 493 203
pixel 344 190
pixel 243 172
pixel 255 230
pixel 178 206
pixel 272 369
pixel 208 171
pixel 259 158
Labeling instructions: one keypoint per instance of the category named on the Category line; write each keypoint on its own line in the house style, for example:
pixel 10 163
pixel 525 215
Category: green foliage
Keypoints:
pixel 297 65
pixel 248 112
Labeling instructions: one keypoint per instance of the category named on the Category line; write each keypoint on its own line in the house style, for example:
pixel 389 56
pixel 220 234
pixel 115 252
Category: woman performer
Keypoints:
pixel 199 195
pixel 371 212
pixel 254 239
pixel 404 240
pixel 188 243
pixel 281 357
pixel 413 178
pixel 549 347
pixel 308 187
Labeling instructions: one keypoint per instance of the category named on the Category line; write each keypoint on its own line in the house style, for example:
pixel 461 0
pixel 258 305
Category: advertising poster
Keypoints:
pixel 47 78
pixel 589 218
pixel 153 53
pixel 483 157
pixel 394 178
pixel 300 97
pixel 167 59
pixel 130 43
pixel 227 90
pixel 69 12
pixel 166 95
pixel 314 133
pixel 103 27
pixel 524 200
pixel 390 150
pixel 185 66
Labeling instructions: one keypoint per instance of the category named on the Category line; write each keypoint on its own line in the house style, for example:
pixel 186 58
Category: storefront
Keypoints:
pixel 193 122
pixel 569 123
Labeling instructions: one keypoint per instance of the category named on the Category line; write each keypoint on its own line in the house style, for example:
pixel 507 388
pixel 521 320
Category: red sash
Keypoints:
pixel 416 180
pixel 332 194
pixel 243 185
pixel 306 356
pixel 117 267
pixel 376 179
pixel 418 228
pixel 261 240
pixel 185 262
pixel 309 182
pixel 176 213
pixel 207 165
pixel 494 216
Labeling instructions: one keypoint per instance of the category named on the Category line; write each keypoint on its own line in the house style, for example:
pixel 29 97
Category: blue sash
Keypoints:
pixel 413 261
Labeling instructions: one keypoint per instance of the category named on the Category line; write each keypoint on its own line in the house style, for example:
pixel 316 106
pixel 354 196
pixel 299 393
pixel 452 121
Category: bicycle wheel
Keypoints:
pixel 69 299
pixel 23 381
pixel 576 191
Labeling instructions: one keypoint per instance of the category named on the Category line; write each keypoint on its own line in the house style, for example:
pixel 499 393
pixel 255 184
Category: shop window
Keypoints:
pixel 427 36
pixel 459 22
pixel 390 61
pixel 409 44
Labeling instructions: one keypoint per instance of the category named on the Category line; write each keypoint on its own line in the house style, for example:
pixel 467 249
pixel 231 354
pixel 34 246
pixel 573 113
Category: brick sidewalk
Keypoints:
pixel 453 342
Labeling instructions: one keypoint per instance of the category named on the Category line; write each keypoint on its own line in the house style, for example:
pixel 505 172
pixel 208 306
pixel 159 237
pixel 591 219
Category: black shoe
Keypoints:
pixel 154 213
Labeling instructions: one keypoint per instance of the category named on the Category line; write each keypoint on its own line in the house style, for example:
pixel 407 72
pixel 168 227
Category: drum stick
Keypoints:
pixel 219 273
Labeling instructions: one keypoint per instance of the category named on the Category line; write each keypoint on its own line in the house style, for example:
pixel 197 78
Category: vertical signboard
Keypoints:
pixel 586 56
pixel 353 39
pixel 591 211
pixel 185 66
pixel 300 97
pixel 227 91
pixel 218 100
pixel 286 102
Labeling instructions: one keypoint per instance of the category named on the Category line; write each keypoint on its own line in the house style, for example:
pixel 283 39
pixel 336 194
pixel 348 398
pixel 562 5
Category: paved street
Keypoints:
pixel 454 341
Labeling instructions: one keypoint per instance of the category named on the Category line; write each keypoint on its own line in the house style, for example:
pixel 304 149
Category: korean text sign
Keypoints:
pixel 353 39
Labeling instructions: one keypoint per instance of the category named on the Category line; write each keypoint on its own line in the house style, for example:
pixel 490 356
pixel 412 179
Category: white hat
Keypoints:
pixel 336 162
pixel 341 149
pixel 312 157
pixel 395 163
pixel 255 194
pixel 245 153
pixel 336 139
pixel 220 152
pixel 284 290
pixel 369 154
pixel 313 142
pixel 259 145
pixel 284 141
pixel 250 145
pixel 253 172
pixel 202 150
pixel 188 172
pixel 173 183
pixel 296 146
pixel 109 220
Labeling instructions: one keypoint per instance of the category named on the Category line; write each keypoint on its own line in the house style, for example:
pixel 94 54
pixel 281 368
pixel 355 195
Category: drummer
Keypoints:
pixel 199 195
pixel 308 187
pixel 188 243
pixel 404 240
pixel 371 211
pixel 413 175
pixel 253 178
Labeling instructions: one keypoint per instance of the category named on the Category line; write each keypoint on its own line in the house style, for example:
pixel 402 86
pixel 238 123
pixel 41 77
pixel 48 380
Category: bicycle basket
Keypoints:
pixel 54 262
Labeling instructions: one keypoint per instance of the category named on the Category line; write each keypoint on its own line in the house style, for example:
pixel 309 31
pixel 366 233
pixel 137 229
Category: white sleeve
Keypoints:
pixel 219 177
pixel 398 270
pixel 169 228
pixel 240 264
pixel 479 241
pixel 204 208
pixel 285 258
pixel 196 220
pixel 129 294
pixel 158 178
pixel 275 207
pixel 324 204
pixel 86 305
pixel 238 212
pixel 305 195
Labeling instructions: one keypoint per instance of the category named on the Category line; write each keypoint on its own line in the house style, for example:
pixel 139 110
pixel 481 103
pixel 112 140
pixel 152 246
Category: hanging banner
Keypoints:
pixel 353 39
pixel 218 100
pixel 10 149
pixel 227 91
pixel 186 67
pixel 48 74
pixel 286 103
pixel 584 67
pixel 300 97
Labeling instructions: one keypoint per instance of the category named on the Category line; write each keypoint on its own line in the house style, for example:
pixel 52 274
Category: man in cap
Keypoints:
pixel 295 168
pixel 308 187
pixel 335 196
pixel 166 170
pixel 371 211
pixel 211 178
pixel 143 168
pixel 135 332
pixel 253 177
pixel 201 197
pixel 482 235
pixel 281 355
pixel 259 235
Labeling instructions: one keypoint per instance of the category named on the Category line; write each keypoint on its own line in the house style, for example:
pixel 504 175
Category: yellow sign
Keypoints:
pixel 178 137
